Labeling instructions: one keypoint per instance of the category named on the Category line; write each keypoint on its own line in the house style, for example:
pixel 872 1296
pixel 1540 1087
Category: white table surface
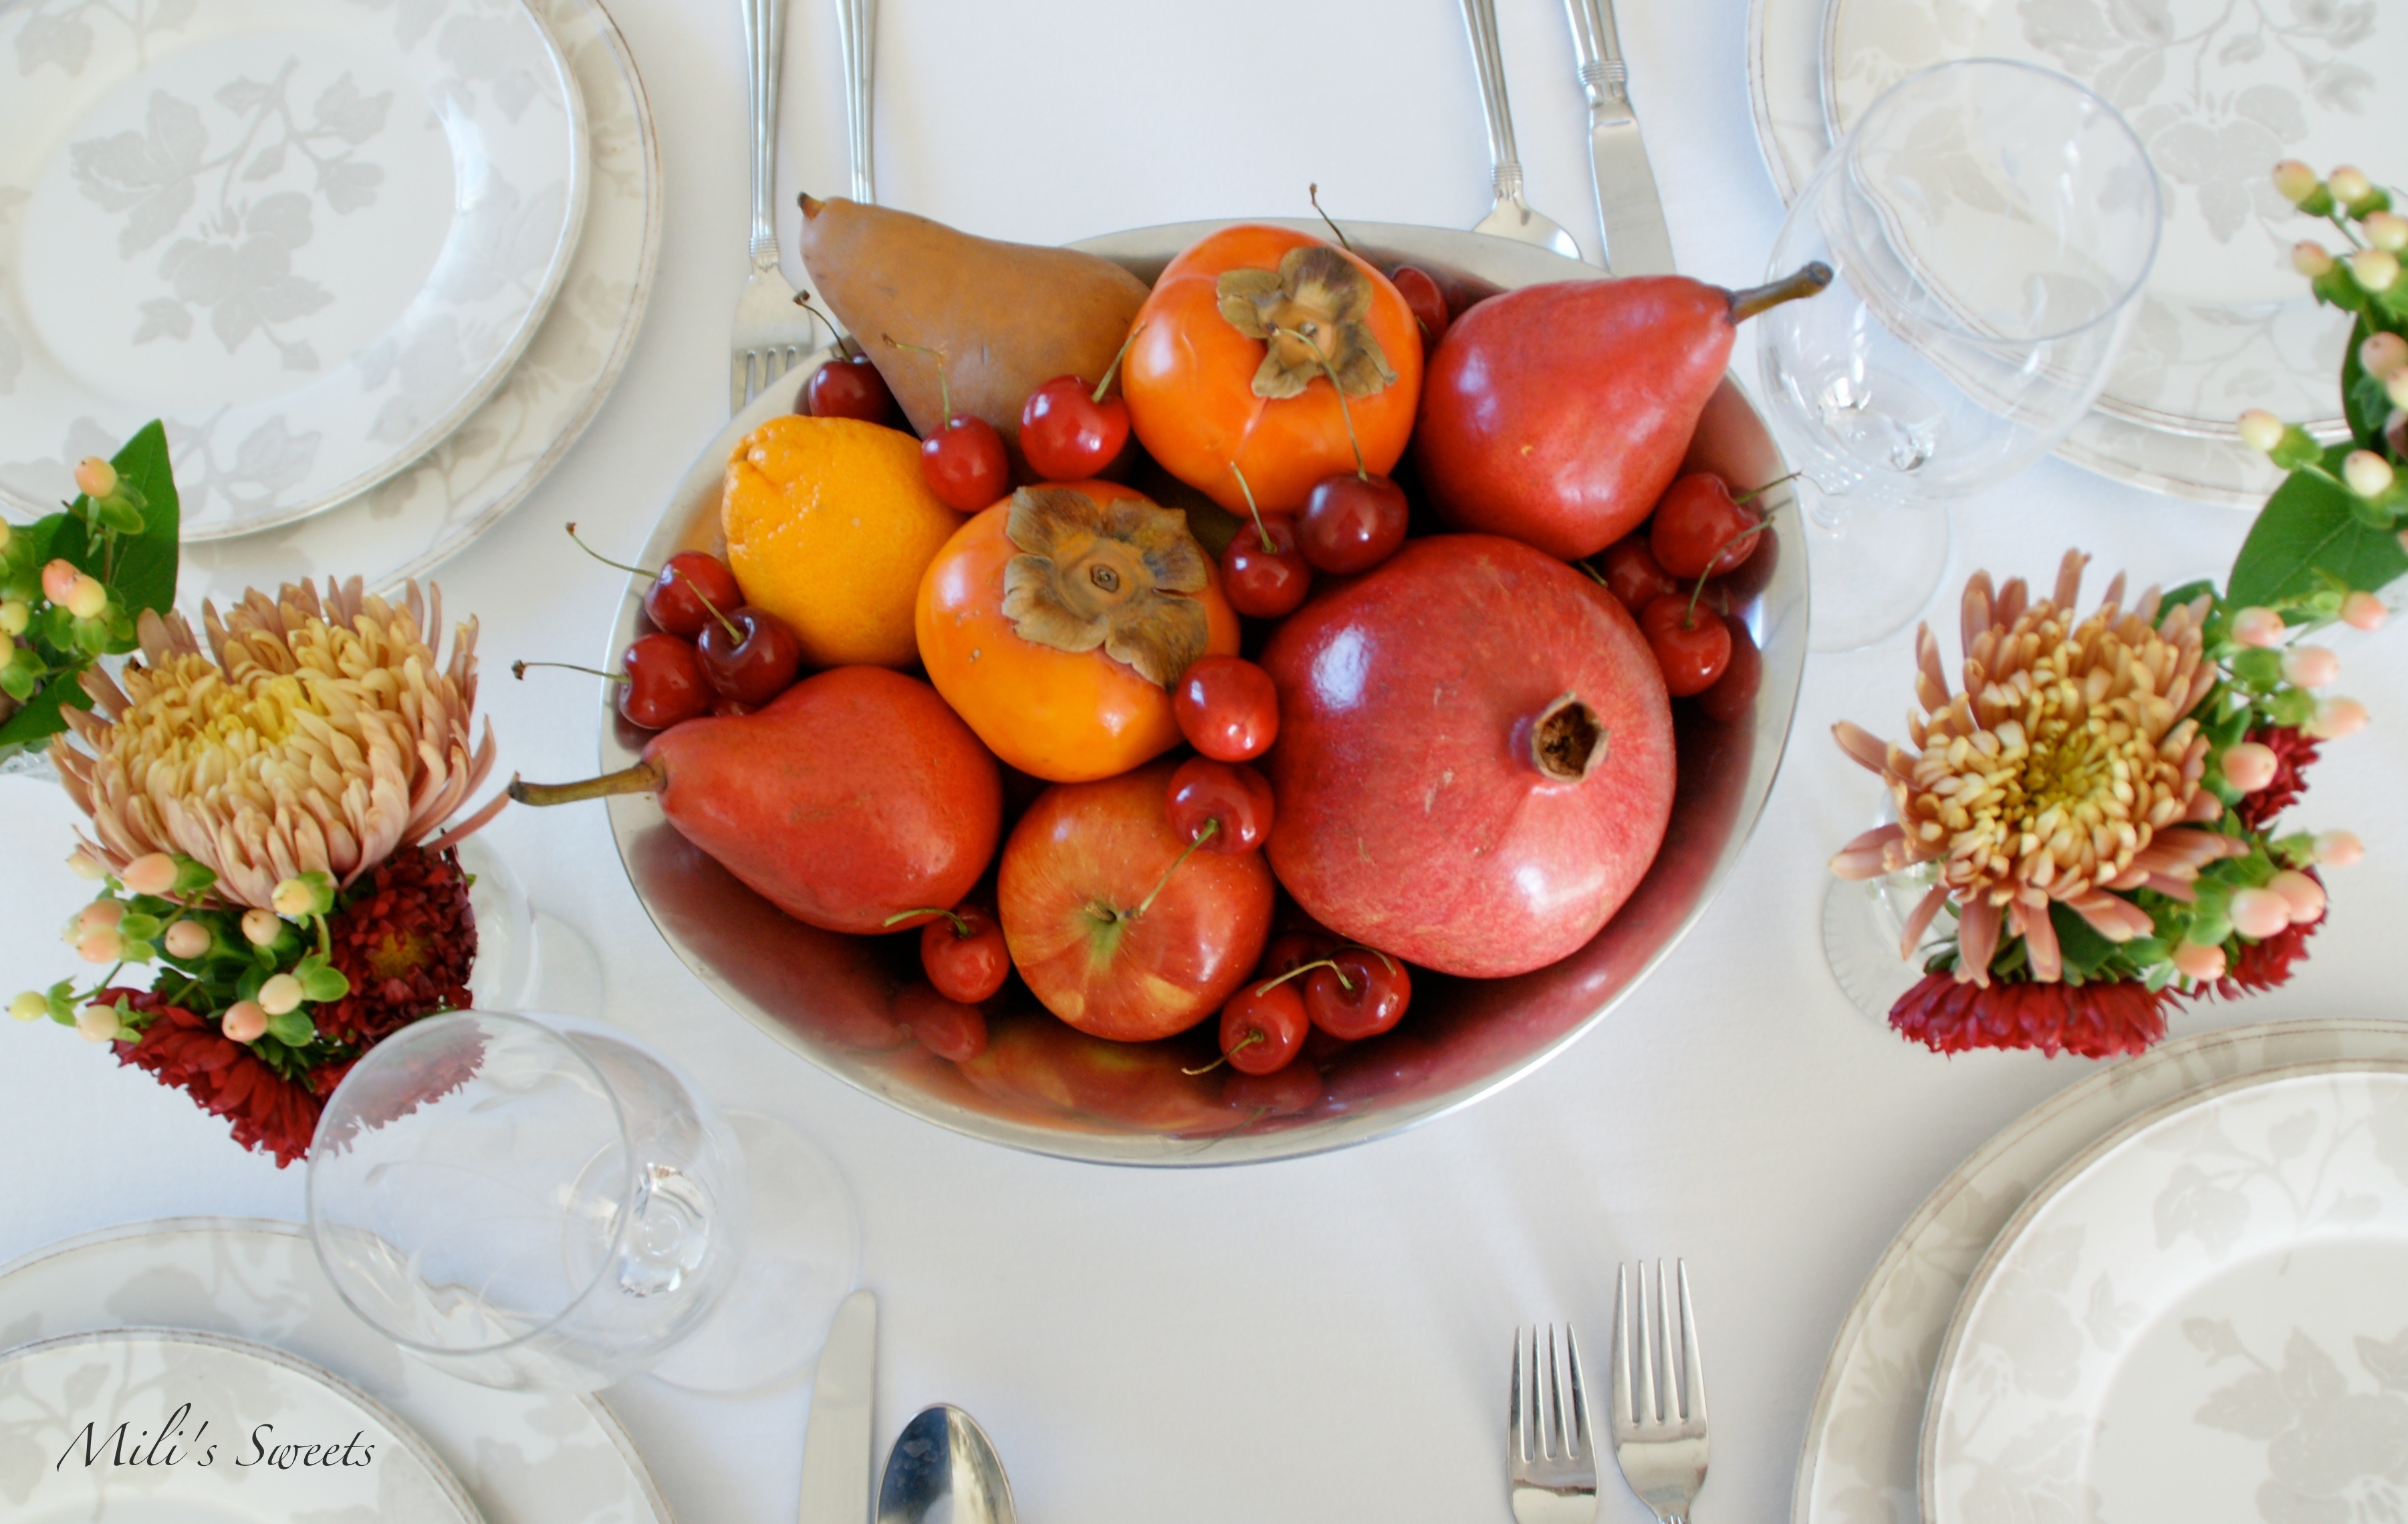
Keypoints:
pixel 1324 1339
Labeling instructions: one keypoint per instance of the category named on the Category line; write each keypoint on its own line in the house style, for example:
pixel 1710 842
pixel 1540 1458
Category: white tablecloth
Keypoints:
pixel 1324 1339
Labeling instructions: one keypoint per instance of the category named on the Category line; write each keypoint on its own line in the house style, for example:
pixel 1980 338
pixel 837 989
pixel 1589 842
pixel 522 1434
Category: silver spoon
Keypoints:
pixel 944 1470
pixel 1512 216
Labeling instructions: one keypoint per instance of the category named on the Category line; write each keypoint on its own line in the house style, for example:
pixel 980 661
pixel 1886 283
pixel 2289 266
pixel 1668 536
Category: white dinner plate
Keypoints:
pixel 1858 1463
pixel 310 234
pixel 128 1425
pixel 2203 1318
pixel 521 1457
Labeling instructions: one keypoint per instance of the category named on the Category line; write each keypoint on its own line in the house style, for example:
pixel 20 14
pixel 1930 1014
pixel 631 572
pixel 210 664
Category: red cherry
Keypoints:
pixel 946 1028
pixel 1733 693
pixel 1426 302
pixel 749 655
pixel 664 682
pixel 1264 574
pixel 1351 523
pixel 1262 1027
pixel 687 588
pixel 1691 643
pixel 964 463
pixel 1632 575
pixel 1282 1093
pixel 1226 707
pixel 1363 996
pixel 963 953
pixel 1069 435
pixel 1203 790
pixel 847 385
pixel 1698 524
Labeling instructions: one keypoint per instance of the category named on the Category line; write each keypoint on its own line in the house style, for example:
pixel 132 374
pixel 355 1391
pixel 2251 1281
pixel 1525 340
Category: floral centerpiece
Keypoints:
pixel 267 805
pixel 2098 816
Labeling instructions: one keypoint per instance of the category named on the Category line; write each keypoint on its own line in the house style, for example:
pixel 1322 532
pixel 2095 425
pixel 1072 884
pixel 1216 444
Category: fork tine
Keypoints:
pixel 1618 1389
pixel 1557 1442
pixel 1516 1449
pixel 1693 1385
pixel 736 394
pixel 1651 1407
pixel 1576 1440
pixel 1668 1345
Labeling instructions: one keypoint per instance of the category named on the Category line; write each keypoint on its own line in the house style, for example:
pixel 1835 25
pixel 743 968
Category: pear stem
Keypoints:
pixel 811 204
pixel 644 777
pixel 1211 828
pixel 618 565
pixel 1313 193
pixel 1805 282
pixel 519 670
pixel 944 389
pixel 1113 369
pixel 1262 531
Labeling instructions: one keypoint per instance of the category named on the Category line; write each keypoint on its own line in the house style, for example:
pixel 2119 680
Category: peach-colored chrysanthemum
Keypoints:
pixel 313 736
pixel 2066 769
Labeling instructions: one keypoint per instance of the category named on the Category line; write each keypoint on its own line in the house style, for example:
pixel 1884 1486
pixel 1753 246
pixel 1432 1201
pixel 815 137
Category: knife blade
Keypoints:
pixel 836 1450
pixel 1629 211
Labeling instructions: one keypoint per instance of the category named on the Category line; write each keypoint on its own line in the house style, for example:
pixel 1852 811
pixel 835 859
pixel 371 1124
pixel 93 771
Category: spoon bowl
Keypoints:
pixel 943 1470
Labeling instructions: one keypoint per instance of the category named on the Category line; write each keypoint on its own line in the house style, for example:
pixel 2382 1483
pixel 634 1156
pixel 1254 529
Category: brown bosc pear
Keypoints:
pixel 1006 316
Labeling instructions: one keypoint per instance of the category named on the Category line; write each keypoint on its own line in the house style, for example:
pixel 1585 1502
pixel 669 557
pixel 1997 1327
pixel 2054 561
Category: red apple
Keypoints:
pixel 1119 929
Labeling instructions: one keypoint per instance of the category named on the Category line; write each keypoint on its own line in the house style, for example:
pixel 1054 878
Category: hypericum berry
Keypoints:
pixel 2258 627
pixel 96 477
pixel 2304 894
pixel 2382 354
pixel 2350 187
pixel 186 939
pixel 2363 611
pixel 30 1006
pixel 2250 765
pixel 2259 913
pixel 99 1024
pixel 2340 848
pixel 2386 230
pixel 5 535
pixel 2374 269
pixel 245 1021
pixel 2335 719
pixel 2396 390
pixel 279 994
pixel 2260 430
pixel 152 873
pixel 59 580
pixel 85 865
pixel 101 946
pixel 2296 181
pixel 2369 475
pixel 2311 259
pixel 2310 666
pixel 261 927
pixel 16 615
pixel 100 916
pixel 303 894
pixel 2202 965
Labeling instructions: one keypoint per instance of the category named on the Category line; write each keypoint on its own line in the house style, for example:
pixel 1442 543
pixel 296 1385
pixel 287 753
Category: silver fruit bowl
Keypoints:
pixel 1041 1086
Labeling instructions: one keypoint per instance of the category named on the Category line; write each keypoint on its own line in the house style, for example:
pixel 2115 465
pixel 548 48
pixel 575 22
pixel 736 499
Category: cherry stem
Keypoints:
pixel 644 777
pixel 847 347
pixel 1329 964
pixel 961 927
pixel 1313 193
pixel 620 565
pixel 944 389
pixel 1805 282
pixel 1689 615
pixel 1751 496
pixel 1361 472
pixel 1594 576
pixel 1210 827
pixel 1249 1040
pixel 1113 369
pixel 729 625
pixel 519 670
pixel 1261 530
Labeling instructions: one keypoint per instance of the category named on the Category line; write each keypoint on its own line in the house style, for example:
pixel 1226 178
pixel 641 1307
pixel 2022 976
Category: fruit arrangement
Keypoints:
pixel 1229 656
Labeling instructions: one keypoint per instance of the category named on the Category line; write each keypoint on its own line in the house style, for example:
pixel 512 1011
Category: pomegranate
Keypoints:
pixel 1474 765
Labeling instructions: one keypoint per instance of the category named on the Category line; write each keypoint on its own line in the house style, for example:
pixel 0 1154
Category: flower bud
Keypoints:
pixel 98 1023
pixel 95 476
pixel 2369 475
pixel 2386 230
pixel 279 994
pixel 2363 610
pixel 2250 765
pixel 2374 269
pixel 88 599
pixel 2311 259
pixel 102 945
pixel 2304 894
pixel 2383 355
pixel 187 939
pixel 2340 848
pixel 2335 719
pixel 16 617
pixel 152 873
pixel 100 916
pixel 2204 964
pixel 2259 913
pixel 85 865
pixel 59 580
pixel 245 1021
pixel 2295 181
pixel 261 927
pixel 30 1006
pixel 2261 431
pixel 2310 666
pixel 2349 185
pixel 2258 627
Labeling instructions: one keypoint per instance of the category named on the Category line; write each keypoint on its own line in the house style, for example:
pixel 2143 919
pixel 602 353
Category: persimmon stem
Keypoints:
pixel 961 927
pixel 1362 473
pixel 519 670
pixel 618 565
pixel 1249 1040
pixel 1113 369
pixel 944 388
pixel 1262 531
pixel 1313 193
pixel 1211 828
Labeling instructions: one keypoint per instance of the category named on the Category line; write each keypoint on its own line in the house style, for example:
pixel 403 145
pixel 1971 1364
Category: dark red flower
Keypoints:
pixel 270 1114
pixel 406 942
pixel 2102 1019
pixel 2293 753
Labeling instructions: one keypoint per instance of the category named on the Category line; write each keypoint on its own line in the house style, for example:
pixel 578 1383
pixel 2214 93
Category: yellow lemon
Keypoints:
pixel 829 526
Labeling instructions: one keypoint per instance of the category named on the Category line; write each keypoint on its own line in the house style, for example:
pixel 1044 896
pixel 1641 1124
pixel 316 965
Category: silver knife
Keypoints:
pixel 837 1451
pixel 1627 207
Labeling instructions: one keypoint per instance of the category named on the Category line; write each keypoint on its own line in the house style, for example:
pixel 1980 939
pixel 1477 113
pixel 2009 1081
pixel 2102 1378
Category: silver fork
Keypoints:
pixel 772 333
pixel 1512 216
pixel 1660 1410
pixel 1550 1462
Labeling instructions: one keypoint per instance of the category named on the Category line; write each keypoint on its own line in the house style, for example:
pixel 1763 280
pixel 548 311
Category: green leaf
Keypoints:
pixel 192 876
pixel 2083 950
pixel 320 982
pixel 2309 526
pixel 146 563
pixel 2362 395
pixel 32 726
pixel 293 1029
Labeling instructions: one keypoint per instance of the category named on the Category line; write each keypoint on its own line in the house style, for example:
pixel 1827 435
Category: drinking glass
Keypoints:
pixel 547 1203
pixel 1990 224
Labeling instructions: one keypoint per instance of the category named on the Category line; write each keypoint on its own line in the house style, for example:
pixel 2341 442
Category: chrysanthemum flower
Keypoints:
pixel 2064 771
pixel 407 944
pixel 269 1113
pixel 2097 1020
pixel 313 736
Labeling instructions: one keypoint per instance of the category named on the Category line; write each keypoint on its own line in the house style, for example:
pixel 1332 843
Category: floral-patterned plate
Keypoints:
pixel 1859 1460
pixel 2204 1317
pixel 311 234
pixel 131 1425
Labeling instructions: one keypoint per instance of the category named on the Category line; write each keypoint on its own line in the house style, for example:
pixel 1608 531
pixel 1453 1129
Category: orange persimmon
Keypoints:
pixel 1228 366
pixel 1055 623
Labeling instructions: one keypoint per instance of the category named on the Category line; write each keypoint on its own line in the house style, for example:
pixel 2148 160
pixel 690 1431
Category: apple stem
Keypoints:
pixel 1261 530
pixel 620 565
pixel 1113 369
pixel 1362 473
pixel 644 777
pixel 944 389
pixel 1249 1040
pixel 1210 827
pixel 519 670
pixel 1751 496
pixel 1806 281
pixel 1329 964
pixel 1313 193
pixel 961 927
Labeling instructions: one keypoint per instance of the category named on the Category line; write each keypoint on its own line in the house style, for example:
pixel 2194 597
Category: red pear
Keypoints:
pixel 1558 414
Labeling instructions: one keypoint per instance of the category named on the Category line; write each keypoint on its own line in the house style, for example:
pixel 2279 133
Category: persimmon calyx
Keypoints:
pixel 1121 576
pixel 1312 312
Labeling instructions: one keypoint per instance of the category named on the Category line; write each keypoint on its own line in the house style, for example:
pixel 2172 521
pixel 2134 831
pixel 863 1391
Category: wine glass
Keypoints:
pixel 1989 224
pixel 547 1203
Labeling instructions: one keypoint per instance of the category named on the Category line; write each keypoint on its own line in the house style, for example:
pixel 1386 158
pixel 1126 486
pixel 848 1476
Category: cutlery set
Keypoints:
pixel 943 1470
pixel 1657 1407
